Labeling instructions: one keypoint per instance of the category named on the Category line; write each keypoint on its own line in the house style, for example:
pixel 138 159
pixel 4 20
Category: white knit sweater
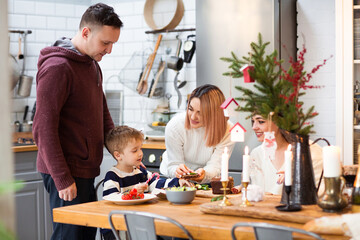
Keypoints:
pixel 188 147
pixel 268 178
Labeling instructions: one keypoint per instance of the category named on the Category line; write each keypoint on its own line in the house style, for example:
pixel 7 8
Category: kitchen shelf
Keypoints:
pixel 356 6
pixel 356 61
pixel 172 30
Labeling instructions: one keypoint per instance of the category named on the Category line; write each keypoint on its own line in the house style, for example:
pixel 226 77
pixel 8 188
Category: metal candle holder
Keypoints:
pixel 333 200
pixel 288 207
pixel 245 202
pixel 225 201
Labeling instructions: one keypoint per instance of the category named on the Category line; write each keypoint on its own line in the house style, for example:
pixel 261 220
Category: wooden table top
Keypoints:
pixel 200 225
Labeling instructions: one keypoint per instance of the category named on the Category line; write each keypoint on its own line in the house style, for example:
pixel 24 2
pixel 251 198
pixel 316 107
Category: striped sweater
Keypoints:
pixel 117 181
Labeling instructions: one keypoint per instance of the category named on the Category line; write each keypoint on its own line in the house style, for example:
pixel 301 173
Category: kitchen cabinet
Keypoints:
pixel 33 217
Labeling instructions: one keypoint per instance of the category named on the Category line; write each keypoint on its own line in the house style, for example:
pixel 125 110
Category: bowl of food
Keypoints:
pixel 180 195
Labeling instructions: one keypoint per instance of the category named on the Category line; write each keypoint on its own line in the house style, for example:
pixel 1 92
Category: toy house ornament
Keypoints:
pixel 245 69
pixel 229 107
pixel 237 133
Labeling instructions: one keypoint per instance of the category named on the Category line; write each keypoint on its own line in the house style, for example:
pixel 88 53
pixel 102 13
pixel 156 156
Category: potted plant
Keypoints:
pixel 278 91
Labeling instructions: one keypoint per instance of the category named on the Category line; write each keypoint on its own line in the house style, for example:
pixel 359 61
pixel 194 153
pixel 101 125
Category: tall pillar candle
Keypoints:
pixel 331 160
pixel 245 169
pixel 225 165
pixel 288 163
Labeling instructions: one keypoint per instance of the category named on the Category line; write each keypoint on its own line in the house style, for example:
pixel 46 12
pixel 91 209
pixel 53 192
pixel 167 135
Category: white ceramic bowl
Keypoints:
pixel 180 197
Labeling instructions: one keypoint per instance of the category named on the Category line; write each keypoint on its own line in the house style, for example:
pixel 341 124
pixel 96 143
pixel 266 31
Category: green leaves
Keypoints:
pixel 6 187
pixel 274 88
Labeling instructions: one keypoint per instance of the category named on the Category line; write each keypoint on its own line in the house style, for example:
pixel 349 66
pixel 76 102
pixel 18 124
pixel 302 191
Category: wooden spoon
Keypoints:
pixel 20 55
pixel 143 85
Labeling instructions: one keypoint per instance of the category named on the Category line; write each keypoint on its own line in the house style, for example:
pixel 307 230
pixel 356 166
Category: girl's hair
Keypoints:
pixel 118 138
pixel 212 116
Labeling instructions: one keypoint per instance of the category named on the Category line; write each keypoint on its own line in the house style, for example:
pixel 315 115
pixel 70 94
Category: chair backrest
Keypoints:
pixel 140 225
pixel 271 232
pixel 97 188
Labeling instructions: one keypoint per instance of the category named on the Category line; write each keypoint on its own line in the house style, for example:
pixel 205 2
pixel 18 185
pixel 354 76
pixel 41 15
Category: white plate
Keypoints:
pixel 116 198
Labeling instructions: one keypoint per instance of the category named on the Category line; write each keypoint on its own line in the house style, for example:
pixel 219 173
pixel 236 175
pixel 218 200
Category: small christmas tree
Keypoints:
pixel 277 90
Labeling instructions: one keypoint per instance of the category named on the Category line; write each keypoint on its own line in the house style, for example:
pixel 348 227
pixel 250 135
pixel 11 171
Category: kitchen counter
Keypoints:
pixel 32 147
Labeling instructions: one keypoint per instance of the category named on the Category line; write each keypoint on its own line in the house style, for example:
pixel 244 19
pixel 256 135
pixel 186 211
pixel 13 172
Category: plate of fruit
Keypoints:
pixel 129 197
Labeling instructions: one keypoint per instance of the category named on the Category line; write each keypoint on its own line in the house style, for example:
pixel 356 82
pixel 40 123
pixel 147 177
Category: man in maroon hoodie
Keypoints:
pixel 72 116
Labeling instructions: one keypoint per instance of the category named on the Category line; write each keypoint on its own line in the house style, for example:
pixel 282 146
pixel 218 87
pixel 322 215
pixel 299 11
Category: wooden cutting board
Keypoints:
pixel 266 210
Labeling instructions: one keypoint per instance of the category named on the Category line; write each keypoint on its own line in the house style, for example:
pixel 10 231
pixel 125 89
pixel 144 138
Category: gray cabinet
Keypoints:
pixel 33 218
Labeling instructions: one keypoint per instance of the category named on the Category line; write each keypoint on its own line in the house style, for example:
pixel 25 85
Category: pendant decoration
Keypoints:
pixel 246 72
pixel 229 107
pixel 237 133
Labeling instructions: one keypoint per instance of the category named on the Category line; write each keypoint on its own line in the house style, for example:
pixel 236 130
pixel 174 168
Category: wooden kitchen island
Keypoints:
pixel 201 225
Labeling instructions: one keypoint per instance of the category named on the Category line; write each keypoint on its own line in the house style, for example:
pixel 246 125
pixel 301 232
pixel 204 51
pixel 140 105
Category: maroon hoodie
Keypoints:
pixel 71 116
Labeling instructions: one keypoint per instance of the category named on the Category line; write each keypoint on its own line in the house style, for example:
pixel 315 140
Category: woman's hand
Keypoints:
pixel 186 183
pixel 281 177
pixel 201 176
pixel 181 170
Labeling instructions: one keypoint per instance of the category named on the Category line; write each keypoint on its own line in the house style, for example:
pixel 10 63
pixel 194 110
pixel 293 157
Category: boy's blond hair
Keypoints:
pixel 118 138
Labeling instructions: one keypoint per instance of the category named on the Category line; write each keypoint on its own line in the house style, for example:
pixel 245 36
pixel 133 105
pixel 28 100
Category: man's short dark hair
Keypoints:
pixel 100 14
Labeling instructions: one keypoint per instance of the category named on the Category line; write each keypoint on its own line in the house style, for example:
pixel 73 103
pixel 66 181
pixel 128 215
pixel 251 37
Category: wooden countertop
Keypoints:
pixel 154 145
pixel 146 145
pixel 200 225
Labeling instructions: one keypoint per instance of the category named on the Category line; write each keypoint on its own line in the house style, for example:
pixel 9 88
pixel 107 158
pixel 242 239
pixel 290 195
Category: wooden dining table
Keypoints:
pixel 199 224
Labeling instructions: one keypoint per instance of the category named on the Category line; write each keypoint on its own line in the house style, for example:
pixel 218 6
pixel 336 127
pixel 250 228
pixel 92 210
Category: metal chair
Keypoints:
pixel 266 231
pixel 140 225
pixel 97 187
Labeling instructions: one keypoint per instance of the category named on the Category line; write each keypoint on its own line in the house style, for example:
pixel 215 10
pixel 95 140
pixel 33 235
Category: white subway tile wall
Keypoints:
pixel 49 20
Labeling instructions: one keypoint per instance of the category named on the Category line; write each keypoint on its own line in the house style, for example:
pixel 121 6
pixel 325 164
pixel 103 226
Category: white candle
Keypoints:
pixel 331 160
pixel 225 165
pixel 288 162
pixel 245 169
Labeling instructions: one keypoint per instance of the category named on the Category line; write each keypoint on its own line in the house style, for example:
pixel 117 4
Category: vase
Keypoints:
pixel 303 189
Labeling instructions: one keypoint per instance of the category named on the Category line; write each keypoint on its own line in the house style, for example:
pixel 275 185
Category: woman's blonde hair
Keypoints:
pixel 212 115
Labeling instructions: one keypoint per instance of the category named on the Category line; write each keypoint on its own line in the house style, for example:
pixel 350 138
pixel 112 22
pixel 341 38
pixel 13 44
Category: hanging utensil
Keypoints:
pixel 25 113
pixel 177 89
pixel 33 112
pixel 25 81
pixel 175 62
pixel 189 48
pixel 20 55
pixel 182 84
pixel 142 86
pixel 157 77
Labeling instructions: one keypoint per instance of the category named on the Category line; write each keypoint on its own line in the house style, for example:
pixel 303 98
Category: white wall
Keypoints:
pixel 316 21
pixel 50 20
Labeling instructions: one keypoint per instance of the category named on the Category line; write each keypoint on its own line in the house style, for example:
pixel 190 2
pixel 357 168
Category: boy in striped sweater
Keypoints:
pixel 124 143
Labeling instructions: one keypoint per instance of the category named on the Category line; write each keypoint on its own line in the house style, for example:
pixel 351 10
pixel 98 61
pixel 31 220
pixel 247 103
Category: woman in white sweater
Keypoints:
pixel 196 139
pixel 273 167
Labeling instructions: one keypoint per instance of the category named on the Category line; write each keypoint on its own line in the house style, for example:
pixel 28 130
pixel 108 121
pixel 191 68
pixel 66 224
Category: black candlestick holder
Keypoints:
pixel 288 207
